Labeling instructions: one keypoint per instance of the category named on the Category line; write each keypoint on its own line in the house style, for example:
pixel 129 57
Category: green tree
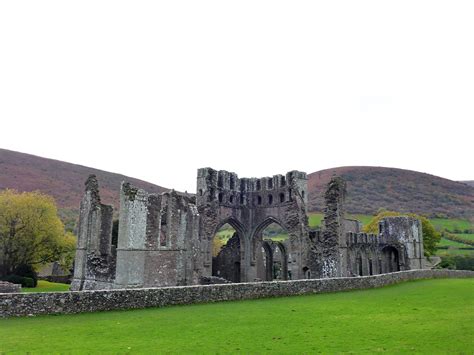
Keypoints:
pixel 31 232
pixel 431 237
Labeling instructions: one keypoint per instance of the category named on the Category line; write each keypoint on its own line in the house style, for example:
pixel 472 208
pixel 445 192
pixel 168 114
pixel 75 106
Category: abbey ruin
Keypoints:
pixel 167 239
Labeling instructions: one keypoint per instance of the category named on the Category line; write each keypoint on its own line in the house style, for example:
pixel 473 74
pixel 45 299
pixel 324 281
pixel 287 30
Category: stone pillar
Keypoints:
pixel 132 237
pixel 94 262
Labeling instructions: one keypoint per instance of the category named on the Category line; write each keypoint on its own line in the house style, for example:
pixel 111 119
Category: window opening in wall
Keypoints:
pixel 231 198
pixel 282 197
pixel 226 254
pixel 211 195
pixel 221 197
pixel 371 270
pixel 270 183
pixel 232 182
pixel 200 192
pixel 302 194
pixel 259 200
pixel 270 199
pixel 242 199
pixel 274 258
pixel 359 264
pixel 259 186
pixel 220 181
pixel 283 181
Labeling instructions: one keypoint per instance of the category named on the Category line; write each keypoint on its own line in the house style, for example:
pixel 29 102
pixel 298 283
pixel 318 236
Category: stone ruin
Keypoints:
pixel 8 287
pixel 167 239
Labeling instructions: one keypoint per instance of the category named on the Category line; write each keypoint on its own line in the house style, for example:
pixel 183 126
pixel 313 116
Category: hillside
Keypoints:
pixel 470 183
pixel 63 181
pixel 371 188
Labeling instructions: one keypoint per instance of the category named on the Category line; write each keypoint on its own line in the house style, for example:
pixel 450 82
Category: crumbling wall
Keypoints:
pixel 95 255
pixel 8 287
pixel 250 205
pixel 158 239
pixel 398 246
pixel 329 256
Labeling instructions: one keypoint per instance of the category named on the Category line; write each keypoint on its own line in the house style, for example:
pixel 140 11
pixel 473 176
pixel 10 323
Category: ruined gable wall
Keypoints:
pixel 249 205
pixel 95 256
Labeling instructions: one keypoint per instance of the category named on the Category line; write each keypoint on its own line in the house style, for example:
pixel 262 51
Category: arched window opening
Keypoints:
pixel 200 192
pixel 359 264
pixel 231 198
pixel 302 194
pixel 282 197
pixel 270 183
pixel 273 239
pixel 306 272
pixel 270 199
pixel 283 181
pixel 226 254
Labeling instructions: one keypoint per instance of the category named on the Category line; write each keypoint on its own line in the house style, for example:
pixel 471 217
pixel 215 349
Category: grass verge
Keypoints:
pixel 428 316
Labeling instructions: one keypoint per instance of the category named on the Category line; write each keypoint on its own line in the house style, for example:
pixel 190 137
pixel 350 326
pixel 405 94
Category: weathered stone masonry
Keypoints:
pixel 166 239
pixel 25 304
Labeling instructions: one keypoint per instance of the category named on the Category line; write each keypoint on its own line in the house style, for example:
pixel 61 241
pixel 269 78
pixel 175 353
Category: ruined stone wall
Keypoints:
pixel 158 242
pixel 249 205
pixel 398 246
pixel 27 304
pixel 8 287
pixel 95 255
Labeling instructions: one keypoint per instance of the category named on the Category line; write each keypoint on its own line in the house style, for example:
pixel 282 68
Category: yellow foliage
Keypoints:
pixel 30 230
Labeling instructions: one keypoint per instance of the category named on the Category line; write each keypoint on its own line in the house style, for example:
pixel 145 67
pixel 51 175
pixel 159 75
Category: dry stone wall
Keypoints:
pixel 32 304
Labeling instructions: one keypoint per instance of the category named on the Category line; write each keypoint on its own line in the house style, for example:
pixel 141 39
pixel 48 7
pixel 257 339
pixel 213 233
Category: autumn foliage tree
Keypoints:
pixel 31 232
pixel 431 236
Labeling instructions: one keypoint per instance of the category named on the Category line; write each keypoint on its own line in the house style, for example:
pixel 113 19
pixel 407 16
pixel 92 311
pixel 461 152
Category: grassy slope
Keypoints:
pixel 46 286
pixel 429 316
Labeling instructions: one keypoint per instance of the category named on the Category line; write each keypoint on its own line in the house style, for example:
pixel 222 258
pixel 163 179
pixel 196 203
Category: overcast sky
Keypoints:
pixel 155 90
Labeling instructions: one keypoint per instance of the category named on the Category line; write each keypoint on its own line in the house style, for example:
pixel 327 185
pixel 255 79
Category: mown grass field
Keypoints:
pixel 46 286
pixel 428 316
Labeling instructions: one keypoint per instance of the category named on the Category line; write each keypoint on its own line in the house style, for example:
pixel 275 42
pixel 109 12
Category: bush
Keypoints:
pixel 27 271
pixel 23 281
pixel 458 262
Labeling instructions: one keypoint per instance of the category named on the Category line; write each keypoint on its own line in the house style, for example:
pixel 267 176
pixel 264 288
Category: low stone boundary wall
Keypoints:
pixel 27 304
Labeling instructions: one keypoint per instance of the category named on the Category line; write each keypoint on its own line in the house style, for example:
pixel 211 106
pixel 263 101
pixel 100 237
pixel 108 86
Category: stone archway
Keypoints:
pixel 227 263
pixel 390 259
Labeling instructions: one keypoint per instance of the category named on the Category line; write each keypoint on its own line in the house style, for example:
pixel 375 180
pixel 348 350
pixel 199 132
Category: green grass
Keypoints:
pixel 468 236
pixel 46 286
pixel 429 316
pixel 451 225
pixel 450 243
pixel 314 219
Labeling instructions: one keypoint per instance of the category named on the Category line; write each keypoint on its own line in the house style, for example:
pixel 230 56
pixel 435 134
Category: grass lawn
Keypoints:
pixel 46 286
pixel 428 316
pixel 451 243
pixel 451 225
pixel 468 236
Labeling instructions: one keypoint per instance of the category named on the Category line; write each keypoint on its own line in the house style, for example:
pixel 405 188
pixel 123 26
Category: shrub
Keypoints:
pixel 23 281
pixel 457 262
pixel 27 271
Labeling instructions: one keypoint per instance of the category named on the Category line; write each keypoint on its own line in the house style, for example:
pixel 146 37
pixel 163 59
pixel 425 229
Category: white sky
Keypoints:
pixel 155 90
